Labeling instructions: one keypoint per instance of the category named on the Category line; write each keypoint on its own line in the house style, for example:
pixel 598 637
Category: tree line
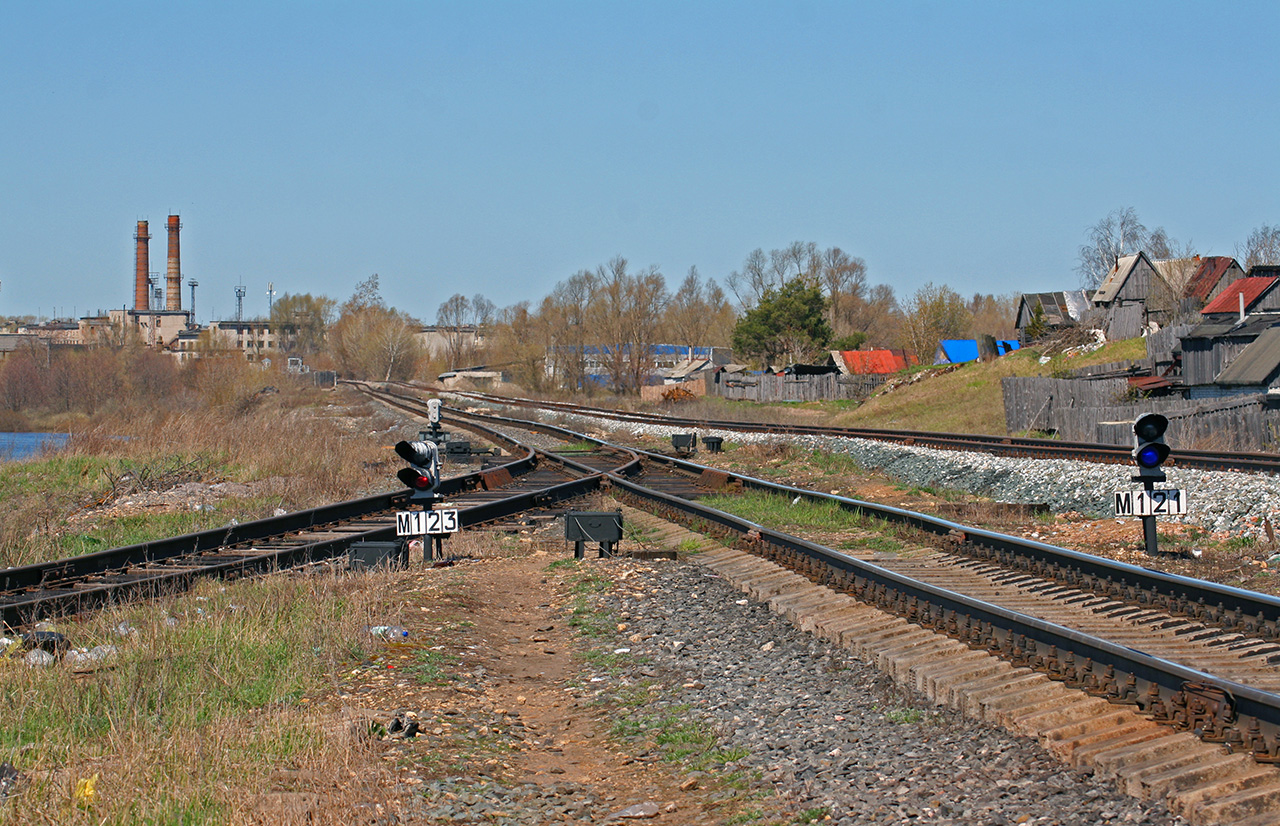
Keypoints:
pixel 782 306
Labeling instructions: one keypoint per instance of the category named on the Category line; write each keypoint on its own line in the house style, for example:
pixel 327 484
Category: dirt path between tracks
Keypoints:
pixel 500 689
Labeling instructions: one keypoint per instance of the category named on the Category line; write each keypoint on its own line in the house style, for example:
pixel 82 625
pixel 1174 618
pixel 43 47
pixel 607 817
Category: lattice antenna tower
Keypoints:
pixel 240 293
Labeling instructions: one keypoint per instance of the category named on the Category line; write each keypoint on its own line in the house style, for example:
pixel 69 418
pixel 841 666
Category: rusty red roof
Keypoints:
pixel 863 362
pixel 1207 276
pixel 1227 302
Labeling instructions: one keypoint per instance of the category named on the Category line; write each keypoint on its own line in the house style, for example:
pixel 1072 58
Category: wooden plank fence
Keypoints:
pixel 771 388
pixel 1101 411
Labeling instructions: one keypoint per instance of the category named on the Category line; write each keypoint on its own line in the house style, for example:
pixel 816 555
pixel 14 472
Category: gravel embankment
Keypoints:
pixel 830 732
pixel 1237 503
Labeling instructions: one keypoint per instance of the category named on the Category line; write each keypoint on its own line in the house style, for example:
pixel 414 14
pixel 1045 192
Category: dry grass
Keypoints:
pixel 296 447
pixel 210 717
pixel 968 399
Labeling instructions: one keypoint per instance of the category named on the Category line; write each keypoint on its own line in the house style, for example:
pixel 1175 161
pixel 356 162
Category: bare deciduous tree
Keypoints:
pixel 934 313
pixel 524 339
pixel 750 284
pixel 372 341
pixel 844 277
pixel 1119 233
pixel 698 314
pixel 624 320
pixel 1261 248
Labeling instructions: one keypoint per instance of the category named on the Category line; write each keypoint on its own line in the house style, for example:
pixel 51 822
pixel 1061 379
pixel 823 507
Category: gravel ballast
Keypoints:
pixel 829 732
pixel 1231 502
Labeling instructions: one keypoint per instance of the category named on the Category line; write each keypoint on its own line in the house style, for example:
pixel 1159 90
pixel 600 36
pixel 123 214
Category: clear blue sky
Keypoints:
pixel 497 148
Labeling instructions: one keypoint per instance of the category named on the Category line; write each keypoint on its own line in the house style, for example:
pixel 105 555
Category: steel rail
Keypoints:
pixel 78 583
pixel 1001 445
pixel 1217 709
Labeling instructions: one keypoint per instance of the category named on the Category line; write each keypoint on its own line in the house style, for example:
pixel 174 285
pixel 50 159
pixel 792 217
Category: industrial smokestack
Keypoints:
pixel 142 269
pixel 173 277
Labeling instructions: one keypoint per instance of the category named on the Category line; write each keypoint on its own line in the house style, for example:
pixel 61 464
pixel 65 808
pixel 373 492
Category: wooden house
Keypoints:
pixel 1126 296
pixel 1056 310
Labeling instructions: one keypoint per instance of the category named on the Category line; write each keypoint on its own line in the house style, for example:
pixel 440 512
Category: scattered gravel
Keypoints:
pixel 830 732
pixel 1233 502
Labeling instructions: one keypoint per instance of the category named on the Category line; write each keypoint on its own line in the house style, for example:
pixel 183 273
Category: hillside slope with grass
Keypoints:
pixel 967 398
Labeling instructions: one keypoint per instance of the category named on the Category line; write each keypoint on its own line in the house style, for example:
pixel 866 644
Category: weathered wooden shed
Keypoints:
pixel 1125 294
pixel 1057 309
pixel 1212 346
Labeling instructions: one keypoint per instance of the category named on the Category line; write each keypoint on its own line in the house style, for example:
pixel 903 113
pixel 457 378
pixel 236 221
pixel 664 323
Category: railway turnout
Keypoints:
pixel 1146 656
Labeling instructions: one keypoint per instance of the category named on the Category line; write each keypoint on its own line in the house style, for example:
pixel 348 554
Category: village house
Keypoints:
pixel 1056 310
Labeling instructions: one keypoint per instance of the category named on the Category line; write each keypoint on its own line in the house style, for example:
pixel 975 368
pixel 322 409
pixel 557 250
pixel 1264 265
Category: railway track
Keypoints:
pixel 528 480
pixel 1155 659
pixel 1183 658
pixel 996 445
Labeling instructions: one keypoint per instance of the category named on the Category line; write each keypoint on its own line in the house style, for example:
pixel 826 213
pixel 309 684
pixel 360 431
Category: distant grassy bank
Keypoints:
pixel 150 467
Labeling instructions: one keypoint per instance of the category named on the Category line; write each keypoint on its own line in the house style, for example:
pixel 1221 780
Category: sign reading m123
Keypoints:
pixel 1151 502
pixel 417 523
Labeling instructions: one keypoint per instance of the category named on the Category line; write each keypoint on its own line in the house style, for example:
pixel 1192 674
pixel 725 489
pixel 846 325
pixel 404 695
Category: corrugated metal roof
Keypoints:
pixel 688 367
pixel 1207 276
pixel 1256 363
pixel 1077 302
pixel 1228 302
pixel 866 362
pixel 1253 325
pixel 1148 383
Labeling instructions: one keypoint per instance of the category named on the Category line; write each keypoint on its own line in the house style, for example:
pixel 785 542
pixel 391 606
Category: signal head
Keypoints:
pixel 1149 449
pixel 423 474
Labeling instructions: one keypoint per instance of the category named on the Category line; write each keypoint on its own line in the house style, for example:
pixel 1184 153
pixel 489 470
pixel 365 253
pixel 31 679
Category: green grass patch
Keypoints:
pixel 588 620
pixel 904 716
pixel 780 512
pixel 428 667
pixel 834 463
pixel 884 544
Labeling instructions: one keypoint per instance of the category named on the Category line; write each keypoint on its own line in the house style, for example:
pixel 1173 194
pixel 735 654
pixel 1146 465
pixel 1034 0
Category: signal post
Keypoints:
pixel 422 477
pixel 1149 453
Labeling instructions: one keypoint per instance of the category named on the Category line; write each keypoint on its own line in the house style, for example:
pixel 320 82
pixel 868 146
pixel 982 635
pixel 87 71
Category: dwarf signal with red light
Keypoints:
pixel 423 474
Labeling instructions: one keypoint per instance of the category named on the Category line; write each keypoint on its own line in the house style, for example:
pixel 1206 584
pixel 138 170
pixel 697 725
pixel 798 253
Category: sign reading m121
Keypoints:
pixel 1151 502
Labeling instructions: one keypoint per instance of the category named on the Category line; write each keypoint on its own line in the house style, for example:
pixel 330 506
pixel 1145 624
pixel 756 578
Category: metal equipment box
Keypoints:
pixel 593 526
pixel 684 443
pixel 367 555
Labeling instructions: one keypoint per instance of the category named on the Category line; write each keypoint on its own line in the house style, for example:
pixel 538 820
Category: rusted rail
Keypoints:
pixel 998 445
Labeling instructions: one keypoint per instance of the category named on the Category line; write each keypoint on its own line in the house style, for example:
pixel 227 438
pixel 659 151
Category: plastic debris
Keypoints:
pixel 39 658
pixel 80 657
pixel 389 632
pixel 86 790
pixel 125 629
pixel 50 641
pixel 9 777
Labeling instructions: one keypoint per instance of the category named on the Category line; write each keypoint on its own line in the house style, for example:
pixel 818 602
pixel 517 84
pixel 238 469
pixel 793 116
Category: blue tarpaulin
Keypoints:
pixel 960 350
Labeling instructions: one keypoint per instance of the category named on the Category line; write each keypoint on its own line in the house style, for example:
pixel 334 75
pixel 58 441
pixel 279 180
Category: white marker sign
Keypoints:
pixel 1151 503
pixel 417 523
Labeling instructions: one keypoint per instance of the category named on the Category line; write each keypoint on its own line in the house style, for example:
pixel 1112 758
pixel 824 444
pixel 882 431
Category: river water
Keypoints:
pixel 22 445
